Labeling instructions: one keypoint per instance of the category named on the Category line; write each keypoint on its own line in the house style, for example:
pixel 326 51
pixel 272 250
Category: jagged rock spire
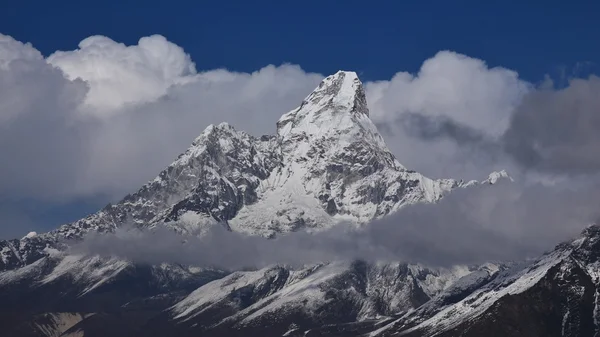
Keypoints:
pixel 334 115
pixel 338 98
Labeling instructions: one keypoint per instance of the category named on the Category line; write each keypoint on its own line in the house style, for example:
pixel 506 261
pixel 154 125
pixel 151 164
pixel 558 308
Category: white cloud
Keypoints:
pixel 11 50
pixel 449 87
pixel 454 86
pixel 105 118
pixel 39 145
pixel 120 74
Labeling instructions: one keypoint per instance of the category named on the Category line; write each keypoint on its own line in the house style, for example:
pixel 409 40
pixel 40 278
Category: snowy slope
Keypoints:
pixel 555 295
pixel 365 291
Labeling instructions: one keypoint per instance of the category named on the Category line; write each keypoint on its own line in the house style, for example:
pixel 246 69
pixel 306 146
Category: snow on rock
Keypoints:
pixel 494 177
pixel 434 280
pixel 569 273
pixel 371 291
pixel 90 271
pixel 30 235
pixel 30 271
pixel 211 293
pixel 301 293
pixel 481 298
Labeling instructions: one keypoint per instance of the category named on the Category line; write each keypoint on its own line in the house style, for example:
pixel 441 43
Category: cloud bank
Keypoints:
pixel 481 224
pixel 118 75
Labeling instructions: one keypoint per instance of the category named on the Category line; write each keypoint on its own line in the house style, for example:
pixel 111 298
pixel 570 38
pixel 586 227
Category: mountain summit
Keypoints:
pixel 337 106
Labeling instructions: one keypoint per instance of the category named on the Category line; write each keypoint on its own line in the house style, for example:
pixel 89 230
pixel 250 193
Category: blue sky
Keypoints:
pixel 376 39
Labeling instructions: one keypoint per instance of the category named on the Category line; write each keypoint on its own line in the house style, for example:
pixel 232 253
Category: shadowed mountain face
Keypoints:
pixel 327 164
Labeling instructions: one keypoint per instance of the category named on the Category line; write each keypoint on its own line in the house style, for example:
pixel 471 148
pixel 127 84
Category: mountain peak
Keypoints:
pixel 496 176
pixel 342 89
pixel 336 109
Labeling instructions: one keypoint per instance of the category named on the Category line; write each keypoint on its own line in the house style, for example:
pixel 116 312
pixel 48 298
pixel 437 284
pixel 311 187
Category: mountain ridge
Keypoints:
pixel 235 167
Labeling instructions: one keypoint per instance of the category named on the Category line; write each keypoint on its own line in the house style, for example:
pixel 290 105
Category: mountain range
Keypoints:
pixel 327 165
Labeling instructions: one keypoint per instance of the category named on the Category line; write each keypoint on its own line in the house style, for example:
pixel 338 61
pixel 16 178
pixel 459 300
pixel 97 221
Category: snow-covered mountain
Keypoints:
pixel 555 295
pixel 326 164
